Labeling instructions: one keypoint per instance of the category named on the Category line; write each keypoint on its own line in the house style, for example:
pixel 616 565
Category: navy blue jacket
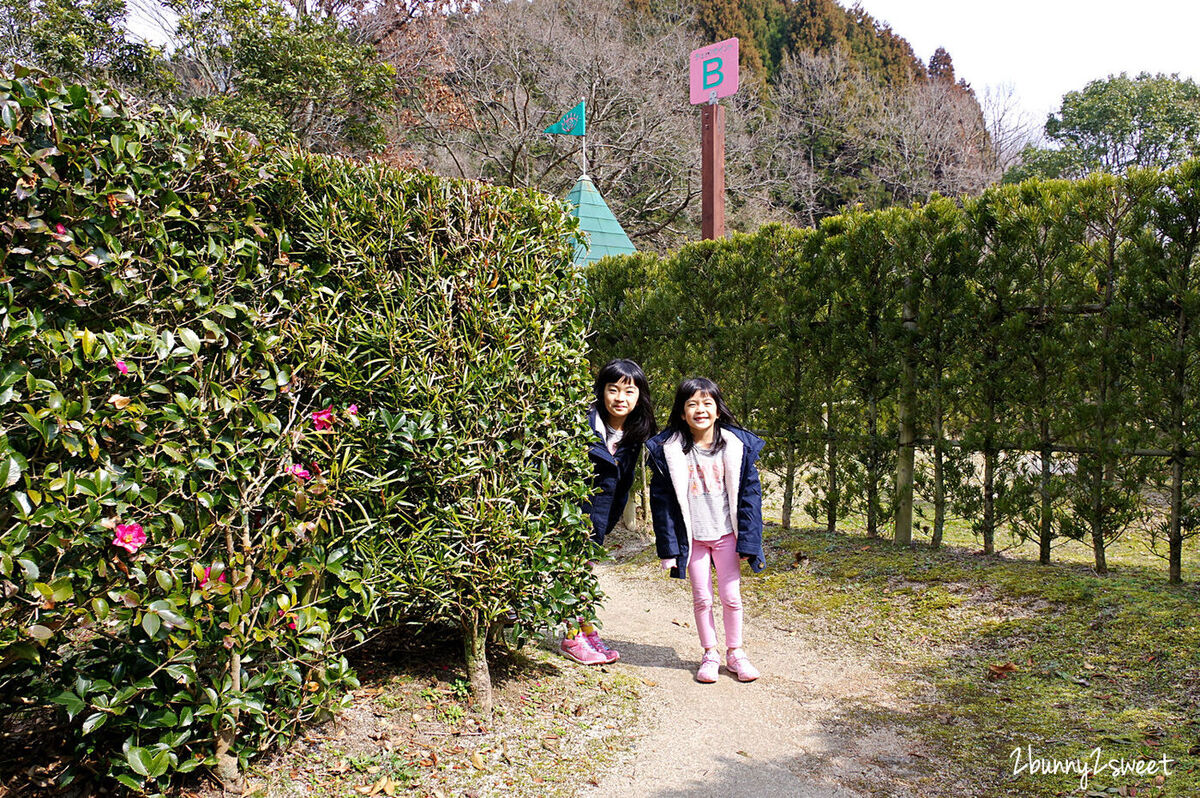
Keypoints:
pixel 612 477
pixel 668 490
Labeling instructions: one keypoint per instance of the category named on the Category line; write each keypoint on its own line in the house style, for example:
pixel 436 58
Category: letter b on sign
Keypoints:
pixel 713 72
pixel 710 73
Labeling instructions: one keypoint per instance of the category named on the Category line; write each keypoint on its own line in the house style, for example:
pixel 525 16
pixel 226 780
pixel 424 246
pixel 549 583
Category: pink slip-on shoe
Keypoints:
pixel 739 664
pixel 580 650
pixel 610 654
pixel 709 664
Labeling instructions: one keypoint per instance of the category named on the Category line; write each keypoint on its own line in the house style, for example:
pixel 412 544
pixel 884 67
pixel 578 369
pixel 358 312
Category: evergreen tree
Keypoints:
pixel 941 66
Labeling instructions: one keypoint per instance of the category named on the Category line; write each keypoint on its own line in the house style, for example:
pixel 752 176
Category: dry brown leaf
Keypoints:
pixel 118 401
pixel 648 683
pixel 1000 671
pixel 477 761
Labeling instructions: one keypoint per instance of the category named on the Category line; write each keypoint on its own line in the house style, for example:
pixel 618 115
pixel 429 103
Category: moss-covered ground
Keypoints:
pixel 1000 653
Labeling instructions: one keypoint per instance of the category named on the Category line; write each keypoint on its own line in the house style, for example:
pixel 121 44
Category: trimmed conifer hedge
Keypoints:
pixel 255 406
pixel 1040 344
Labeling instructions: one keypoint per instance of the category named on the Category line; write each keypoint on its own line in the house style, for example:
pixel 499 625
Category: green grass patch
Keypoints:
pixel 1001 653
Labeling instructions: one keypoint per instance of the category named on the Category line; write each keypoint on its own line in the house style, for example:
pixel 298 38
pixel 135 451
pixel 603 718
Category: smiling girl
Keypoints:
pixel 706 501
pixel 622 418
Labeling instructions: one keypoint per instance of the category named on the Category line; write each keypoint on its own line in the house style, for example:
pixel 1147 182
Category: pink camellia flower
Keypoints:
pixel 121 367
pixel 352 410
pixel 60 228
pixel 291 621
pixel 323 419
pixel 129 537
pixel 298 471
pixel 207 571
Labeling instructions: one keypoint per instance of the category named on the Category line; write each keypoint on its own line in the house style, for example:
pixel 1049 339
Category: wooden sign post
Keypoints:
pixel 712 171
pixel 713 75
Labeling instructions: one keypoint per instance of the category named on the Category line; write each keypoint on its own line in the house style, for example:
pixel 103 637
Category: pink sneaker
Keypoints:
pixel 738 663
pixel 709 664
pixel 579 649
pixel 610 654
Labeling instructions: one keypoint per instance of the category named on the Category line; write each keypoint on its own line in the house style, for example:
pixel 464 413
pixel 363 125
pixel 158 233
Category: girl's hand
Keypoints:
pixel 666 564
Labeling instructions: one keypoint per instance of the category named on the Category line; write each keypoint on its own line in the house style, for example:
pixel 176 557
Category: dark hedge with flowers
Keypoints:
pixel 254 407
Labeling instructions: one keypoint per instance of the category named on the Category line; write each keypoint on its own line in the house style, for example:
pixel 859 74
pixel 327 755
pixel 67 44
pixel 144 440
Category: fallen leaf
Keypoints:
pixel 647 682
pixel 1000 671
pixel 477 761
pixel 743 753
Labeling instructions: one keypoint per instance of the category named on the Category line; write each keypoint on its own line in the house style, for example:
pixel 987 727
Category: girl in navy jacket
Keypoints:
pixel 706 501
pixel 622 418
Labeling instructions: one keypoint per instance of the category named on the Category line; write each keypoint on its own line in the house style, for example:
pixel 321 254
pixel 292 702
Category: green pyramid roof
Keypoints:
pixel 605 236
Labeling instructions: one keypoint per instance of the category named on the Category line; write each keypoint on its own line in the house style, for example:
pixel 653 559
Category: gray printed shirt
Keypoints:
pixel 707 498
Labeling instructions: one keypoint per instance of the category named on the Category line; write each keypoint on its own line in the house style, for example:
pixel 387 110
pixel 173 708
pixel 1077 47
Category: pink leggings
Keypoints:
pixel 723 554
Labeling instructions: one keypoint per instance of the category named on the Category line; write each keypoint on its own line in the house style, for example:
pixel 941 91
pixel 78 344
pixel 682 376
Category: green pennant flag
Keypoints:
pixel 573 122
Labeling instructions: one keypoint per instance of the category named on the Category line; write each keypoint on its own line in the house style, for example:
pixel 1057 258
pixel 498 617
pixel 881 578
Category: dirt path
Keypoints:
pixel 784 735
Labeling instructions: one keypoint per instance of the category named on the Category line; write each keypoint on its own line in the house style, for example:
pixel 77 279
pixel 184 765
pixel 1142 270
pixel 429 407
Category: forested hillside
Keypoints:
pixel 769 29
pixel 835 108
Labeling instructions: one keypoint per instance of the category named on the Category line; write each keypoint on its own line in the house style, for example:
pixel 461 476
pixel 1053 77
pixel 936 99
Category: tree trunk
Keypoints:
pixel 832 494
pixel 1096 522
pixel 1175 531
pixel 475 649
pixel 629 515
pixel 906 456
pixel 1046 516
pixel 1182 396
pixel 873 475
pixel 789 486
pixel 939 480
pixel 227 762
pixel 989 500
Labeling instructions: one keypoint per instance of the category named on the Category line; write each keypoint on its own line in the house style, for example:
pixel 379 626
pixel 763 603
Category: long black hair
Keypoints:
pixel 639 425
pixel 686 390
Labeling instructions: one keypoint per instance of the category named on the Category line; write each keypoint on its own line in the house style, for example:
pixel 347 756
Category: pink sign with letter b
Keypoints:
pixel 714 72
